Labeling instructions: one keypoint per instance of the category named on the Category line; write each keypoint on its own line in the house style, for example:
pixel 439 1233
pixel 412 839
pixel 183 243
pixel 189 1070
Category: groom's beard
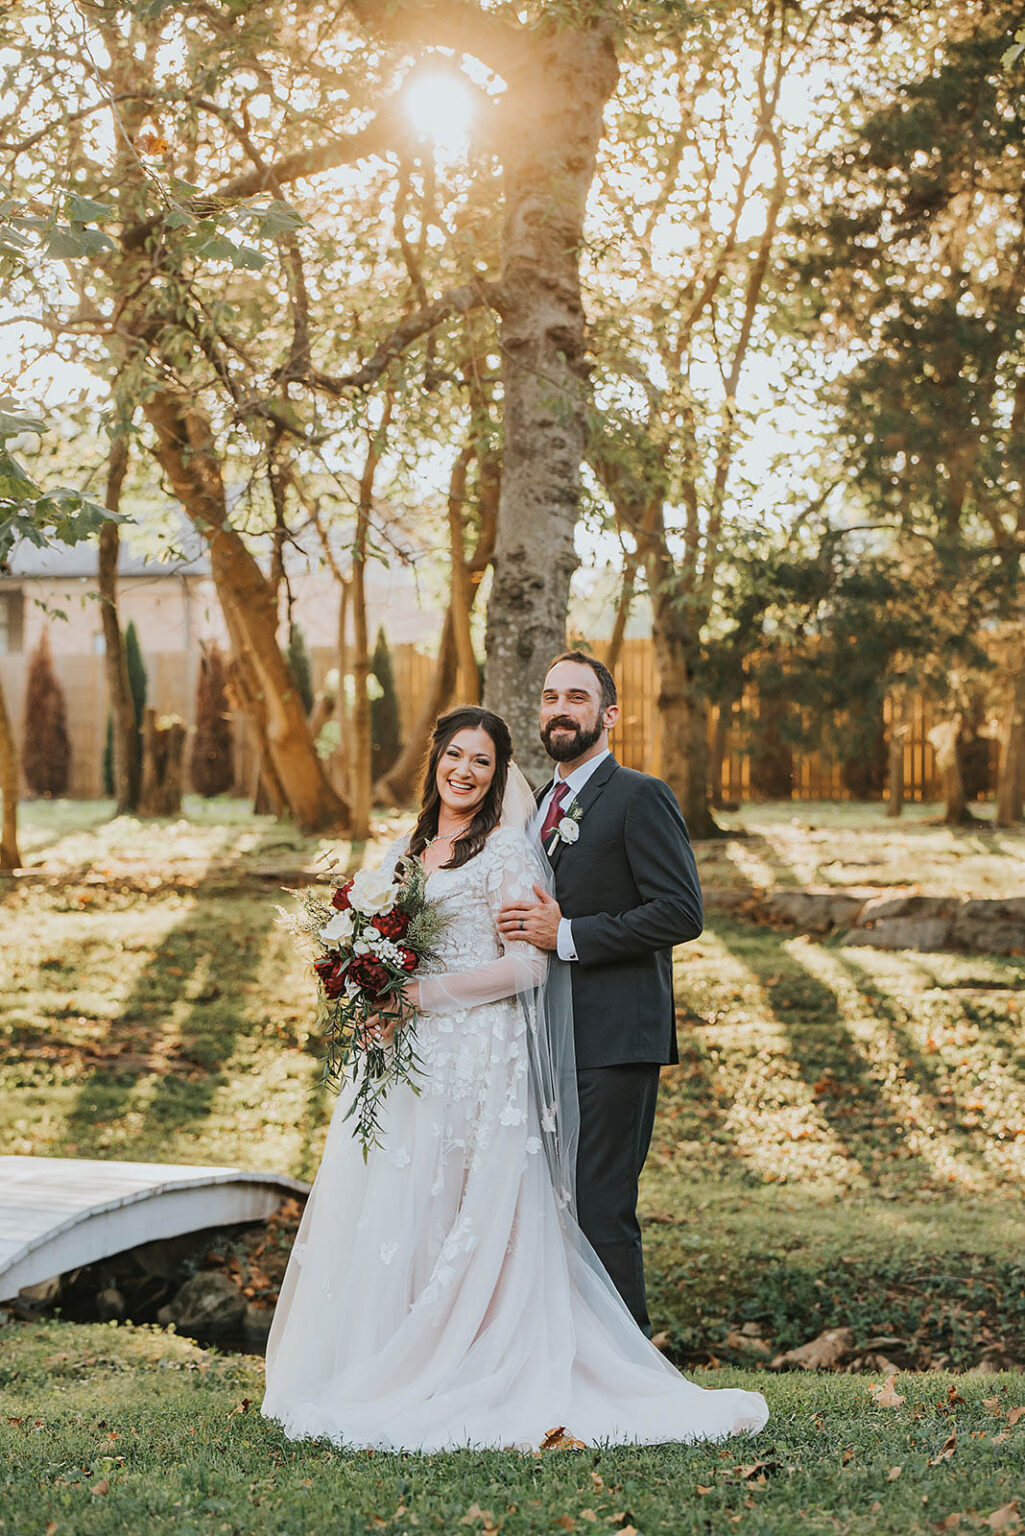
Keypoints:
pixel 574 742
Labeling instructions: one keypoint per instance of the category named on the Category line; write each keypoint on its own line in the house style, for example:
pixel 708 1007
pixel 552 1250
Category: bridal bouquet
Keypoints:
pixel 372 935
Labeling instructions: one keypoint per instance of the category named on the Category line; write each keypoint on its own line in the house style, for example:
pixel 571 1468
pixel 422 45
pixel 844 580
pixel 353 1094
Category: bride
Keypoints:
pixel 442 1295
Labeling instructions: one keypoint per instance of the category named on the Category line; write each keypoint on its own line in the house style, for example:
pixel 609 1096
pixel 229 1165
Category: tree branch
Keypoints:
pixel 458 24
pixel 419 323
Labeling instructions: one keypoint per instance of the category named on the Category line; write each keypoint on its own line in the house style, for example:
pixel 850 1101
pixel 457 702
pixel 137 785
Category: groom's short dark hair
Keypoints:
pixel 606 681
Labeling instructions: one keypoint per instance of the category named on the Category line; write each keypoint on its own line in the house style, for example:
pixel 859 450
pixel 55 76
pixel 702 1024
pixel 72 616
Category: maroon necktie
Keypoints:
pixel 554 813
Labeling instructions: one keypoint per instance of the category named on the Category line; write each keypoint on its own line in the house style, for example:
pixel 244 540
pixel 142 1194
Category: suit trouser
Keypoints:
pixel 617 1113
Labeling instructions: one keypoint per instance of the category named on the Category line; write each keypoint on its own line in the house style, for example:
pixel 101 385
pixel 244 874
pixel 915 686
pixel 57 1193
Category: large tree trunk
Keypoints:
pixel 10 788
pixel 683 719
pixel 185 450
pixel 461 590
pixel 163 764
pixel 1011 781
pixel 945 740
pixel 554 113
pixel 119 694
pixel 895 752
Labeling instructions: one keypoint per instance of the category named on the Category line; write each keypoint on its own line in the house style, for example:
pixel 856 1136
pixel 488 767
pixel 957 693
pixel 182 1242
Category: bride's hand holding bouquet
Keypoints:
pixel 371 935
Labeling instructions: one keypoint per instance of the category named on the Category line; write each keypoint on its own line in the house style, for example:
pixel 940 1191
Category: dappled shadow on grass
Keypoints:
pixel 952 1105
pixel 180 1022
pixel 841 1079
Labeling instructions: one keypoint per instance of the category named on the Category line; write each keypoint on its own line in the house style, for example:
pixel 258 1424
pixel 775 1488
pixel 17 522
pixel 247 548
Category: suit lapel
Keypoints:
pixel 585 800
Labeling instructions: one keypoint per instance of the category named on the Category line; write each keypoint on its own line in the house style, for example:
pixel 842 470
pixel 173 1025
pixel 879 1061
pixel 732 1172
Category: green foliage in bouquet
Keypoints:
pixel 354 987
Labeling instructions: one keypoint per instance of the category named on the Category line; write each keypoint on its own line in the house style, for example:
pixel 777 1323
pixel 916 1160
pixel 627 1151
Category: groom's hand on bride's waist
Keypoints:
pixel 532 922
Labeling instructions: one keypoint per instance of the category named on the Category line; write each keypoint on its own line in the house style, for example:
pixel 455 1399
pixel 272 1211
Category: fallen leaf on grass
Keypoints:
pixel 848 1455
pixel 886 1396
pixel 588 1514
pixel 893 1474
pixel 596 1479
pixel 242 1407
pixel 51 1527
pixel 566 1522
pixel 1015 1414
pixel 1004 1518
pixel 558 1440
pixel 946 1451
pixel 475 1513
pixel 103 1486
pixel 702 1489
pixel 992 1405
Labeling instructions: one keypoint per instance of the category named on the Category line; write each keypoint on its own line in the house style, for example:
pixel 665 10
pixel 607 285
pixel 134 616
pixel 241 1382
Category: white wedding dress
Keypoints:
pixel 437 1295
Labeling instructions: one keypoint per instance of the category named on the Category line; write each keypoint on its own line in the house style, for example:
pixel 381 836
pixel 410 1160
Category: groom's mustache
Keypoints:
pixel 569 725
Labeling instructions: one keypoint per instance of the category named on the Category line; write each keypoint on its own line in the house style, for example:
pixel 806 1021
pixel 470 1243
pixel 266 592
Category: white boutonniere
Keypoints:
pixel 567 830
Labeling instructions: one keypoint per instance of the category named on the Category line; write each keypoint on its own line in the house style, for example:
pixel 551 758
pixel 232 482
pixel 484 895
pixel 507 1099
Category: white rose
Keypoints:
pixel 372 892
pixel 568 830
pixel 338 930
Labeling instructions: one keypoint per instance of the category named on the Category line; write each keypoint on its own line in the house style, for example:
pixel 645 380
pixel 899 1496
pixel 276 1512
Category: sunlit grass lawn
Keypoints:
pixel 119 1430
pixel 843 1143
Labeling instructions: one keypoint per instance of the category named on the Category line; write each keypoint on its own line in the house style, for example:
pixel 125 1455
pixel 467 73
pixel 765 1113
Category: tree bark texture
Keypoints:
pixel 683 719
pixel 461 591
pixel 553 127
pixel 945 738
pixel 1011 780
pixel 186 453
pixel 163 765
pixel 895 753
pixel 10 858
pixel 119 694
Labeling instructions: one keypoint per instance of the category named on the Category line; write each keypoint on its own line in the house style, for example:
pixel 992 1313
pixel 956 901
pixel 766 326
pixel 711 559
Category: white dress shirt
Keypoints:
pixel 576 781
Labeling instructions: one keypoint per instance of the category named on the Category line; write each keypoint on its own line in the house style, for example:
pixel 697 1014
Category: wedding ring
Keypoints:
pixel 522 925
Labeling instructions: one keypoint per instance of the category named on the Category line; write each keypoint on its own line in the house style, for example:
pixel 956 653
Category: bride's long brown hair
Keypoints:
pixel 467 717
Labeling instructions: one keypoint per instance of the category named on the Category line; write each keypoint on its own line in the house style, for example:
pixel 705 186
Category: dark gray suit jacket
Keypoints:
pixel 630 886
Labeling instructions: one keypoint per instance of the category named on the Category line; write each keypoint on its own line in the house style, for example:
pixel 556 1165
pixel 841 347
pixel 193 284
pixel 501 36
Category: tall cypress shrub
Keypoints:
pixel 46 754
pixel 212 765
pixel 298 658
pixel 137 679
pixel 385 727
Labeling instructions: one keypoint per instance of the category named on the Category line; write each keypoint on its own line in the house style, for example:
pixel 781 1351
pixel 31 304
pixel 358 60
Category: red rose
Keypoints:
pixel 369 975
pixel 340 899
pixel 332 971
pixel 391 924
pixel 408 960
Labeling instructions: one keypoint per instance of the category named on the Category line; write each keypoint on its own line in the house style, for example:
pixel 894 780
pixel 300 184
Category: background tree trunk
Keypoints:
pixel 895 752
pixel 185 451
pixel 124 734
pixel 402 782
pixel 1011 781
pixel 10 789
pixel 554 114
pixel 945 738
pixel 460 586
pixel 163 765
pixel 683 717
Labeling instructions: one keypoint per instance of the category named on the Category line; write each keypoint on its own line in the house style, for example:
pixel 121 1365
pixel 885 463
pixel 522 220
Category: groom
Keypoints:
pixel 626 891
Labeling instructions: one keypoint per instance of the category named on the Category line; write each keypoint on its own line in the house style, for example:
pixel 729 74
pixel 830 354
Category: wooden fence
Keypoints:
pixel 172 687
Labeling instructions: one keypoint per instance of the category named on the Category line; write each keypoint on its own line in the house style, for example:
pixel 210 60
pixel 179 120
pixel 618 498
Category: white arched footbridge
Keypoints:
pixel 60 1213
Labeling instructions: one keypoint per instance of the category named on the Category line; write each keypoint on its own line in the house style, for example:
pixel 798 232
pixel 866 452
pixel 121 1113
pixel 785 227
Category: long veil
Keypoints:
pixel 548 1008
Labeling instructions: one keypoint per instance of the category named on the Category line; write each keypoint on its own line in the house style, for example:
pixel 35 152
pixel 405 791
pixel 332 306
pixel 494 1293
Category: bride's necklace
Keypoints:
pixel 445 837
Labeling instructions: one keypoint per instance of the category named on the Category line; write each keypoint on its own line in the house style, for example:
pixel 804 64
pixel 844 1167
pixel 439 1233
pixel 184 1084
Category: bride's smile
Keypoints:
pixel 465 772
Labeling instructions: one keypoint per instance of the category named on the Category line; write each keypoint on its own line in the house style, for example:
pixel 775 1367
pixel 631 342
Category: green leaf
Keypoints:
pixel 11 425
pixel 252 260
pixel 85 210
pixel 67 242
pixel 15 484
pixel 1011 55
pixel 277 219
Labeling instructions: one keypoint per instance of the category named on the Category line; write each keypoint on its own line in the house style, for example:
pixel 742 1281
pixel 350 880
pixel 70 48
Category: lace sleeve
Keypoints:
pixel 510 875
